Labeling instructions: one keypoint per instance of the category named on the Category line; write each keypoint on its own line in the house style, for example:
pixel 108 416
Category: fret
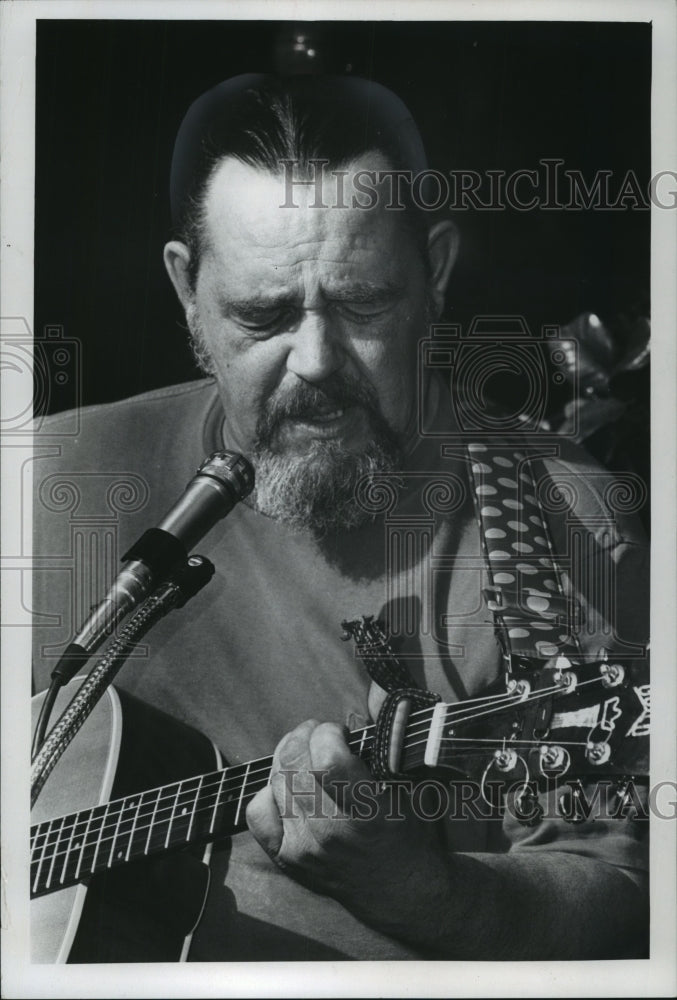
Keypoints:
pixel 121 809
pixel 42 855
pixel 151 825
pixel 241 795
pixel 54 853
pixel 37 832
pixel 192 813
pixel 124 827
pixel 35 836
pixel 84 846
pixel 161 832
pixel 171 818
pixel 64 867
pixel 98 839
pixel 181 820
pixel 217 802
pixel 75 849
pixel 133 829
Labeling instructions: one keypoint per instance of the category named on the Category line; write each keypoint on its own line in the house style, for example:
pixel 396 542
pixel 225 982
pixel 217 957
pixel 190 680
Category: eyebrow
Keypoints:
pixel 364 292
pixel 256 306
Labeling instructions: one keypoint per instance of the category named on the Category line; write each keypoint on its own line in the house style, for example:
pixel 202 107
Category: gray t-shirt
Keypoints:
pixel 259 650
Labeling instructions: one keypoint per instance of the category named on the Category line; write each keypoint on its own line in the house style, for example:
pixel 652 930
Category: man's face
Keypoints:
pixel 309 317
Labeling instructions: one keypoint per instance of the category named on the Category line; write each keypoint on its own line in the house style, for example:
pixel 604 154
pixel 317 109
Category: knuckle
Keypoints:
pixel 293 749
pixel 327 745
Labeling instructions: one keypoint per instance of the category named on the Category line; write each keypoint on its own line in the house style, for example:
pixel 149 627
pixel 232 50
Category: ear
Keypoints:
pixel 443 244
pixel 177 260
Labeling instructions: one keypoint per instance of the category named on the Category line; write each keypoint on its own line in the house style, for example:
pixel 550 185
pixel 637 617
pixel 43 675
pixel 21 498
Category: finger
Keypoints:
pixel 265 823
pixel 293 751
pixel 334 766
pixel 295 791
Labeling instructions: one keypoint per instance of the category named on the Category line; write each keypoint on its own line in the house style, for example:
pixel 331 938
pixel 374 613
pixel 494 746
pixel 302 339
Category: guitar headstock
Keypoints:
pixel 564 719
pixel 542 720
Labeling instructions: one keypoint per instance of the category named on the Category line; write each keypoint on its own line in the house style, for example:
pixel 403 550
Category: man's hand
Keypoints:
pixel 323 821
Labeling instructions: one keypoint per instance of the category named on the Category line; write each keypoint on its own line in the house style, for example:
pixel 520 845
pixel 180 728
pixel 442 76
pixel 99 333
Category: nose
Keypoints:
pixel 316 351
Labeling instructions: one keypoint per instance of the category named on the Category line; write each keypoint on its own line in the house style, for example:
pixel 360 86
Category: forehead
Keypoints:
pixel 256 223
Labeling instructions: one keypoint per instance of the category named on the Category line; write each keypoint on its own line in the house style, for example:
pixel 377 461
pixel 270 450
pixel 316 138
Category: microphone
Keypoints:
pixel 221 481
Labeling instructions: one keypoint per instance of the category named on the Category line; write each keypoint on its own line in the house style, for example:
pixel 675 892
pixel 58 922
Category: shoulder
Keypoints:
pixel 572 489
pixel 572 484
pixel 146 446
pixel 152 426
pixel 166 402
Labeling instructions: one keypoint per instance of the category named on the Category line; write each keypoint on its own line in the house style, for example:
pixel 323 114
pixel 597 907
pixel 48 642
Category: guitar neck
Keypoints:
pixel 601 726
pixel 71 848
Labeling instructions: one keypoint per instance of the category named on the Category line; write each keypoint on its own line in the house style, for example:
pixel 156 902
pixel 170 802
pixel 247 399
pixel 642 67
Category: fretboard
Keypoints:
pixel 69 849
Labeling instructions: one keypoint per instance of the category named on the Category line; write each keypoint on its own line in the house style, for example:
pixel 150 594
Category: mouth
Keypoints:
pixel 325 418
pixel 336 423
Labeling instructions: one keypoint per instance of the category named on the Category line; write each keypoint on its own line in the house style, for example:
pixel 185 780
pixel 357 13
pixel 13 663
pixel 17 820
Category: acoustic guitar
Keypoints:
pixel 122 875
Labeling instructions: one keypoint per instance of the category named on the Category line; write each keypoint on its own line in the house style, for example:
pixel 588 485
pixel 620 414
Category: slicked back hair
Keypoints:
pixel 265 120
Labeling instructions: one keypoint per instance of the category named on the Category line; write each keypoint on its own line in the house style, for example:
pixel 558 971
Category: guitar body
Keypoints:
pixel 147 910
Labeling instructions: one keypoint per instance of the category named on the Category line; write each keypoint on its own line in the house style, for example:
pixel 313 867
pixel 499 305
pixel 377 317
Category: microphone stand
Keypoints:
pixel 173 593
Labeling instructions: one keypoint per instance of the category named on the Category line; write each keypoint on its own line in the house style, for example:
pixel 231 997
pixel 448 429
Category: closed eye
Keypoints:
pixel 361 312
pixel 267 322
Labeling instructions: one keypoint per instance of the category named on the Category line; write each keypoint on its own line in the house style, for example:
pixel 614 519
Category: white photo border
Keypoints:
pixel 654 977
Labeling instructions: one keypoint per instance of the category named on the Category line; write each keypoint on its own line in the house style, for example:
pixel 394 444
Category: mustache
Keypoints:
pixel 307 401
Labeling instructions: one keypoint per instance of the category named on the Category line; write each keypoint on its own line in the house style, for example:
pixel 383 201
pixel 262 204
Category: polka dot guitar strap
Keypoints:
pixel 532 615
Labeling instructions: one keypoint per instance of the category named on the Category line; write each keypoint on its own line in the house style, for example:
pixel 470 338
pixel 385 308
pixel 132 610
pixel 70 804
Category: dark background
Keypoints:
pixel 111 94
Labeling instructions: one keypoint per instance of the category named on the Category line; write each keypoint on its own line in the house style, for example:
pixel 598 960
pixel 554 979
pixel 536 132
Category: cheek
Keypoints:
pixel 391 364
pixel 248 373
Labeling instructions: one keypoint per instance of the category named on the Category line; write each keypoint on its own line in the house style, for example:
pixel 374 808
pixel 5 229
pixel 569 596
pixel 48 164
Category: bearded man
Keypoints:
pixel 307 286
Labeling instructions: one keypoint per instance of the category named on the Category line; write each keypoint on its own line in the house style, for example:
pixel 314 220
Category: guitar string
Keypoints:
pixel 157 836
pixel 515 699
pixel 358 740
pixel 222 784
pixel 455 713
pixel 94 848
pixel 115 809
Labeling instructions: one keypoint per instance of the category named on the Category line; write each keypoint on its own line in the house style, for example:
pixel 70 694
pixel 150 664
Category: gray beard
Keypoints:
pixel 315 490
pixel 318 491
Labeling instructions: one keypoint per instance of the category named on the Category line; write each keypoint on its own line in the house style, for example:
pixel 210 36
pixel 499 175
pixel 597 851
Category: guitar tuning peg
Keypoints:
pixel 572 806
pixel 622 791
pixel 528 810
pixel 613 674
